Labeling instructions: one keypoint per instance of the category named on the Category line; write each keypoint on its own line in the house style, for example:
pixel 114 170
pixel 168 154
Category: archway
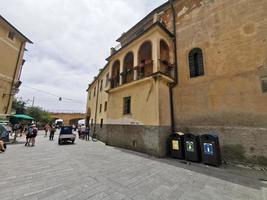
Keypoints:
pixel 115 79
pixel 145 61
pixel 128 64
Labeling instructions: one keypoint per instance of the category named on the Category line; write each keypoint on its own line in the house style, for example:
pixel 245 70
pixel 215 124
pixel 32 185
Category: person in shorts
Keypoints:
pixel 34 135
pixel 29 135
pixel 52 133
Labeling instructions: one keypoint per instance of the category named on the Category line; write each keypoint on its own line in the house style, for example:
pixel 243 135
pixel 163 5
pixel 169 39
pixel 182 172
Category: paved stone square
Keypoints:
pixel 91 170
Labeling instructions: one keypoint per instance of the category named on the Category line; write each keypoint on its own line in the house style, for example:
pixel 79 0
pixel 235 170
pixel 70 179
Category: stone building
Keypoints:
pixel 198 66
pixel 12 47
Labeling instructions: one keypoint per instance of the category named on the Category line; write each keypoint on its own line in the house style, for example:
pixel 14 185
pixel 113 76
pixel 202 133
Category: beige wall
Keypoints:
pixel 233 37
pixel 9 52
pixel 144 109
pixel 145 103
pixel 102 98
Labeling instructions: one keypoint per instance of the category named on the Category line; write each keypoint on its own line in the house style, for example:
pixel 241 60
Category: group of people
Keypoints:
pixel 84 132
pixel 51 129
pixel 31 135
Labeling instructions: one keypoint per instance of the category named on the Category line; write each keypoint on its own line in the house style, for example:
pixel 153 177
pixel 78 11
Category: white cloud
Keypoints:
pixel 71 41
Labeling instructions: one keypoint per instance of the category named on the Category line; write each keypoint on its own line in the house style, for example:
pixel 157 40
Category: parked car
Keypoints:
pixel 66 135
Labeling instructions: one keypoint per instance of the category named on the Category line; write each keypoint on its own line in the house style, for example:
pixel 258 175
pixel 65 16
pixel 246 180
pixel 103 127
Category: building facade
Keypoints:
pixel 12 47
pixel 198 66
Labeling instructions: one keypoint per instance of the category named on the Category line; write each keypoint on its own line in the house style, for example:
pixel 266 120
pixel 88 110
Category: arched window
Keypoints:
pixel 115 79
pixel 196 62
pixel 145 60
pixel 164 51
pixel 128 65
pixel 164 57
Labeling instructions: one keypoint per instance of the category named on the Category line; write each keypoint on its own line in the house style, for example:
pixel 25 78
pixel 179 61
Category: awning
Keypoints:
pixel 25 117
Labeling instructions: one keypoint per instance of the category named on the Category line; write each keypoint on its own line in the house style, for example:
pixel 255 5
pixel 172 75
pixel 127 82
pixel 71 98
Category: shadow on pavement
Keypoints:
pixel 245 177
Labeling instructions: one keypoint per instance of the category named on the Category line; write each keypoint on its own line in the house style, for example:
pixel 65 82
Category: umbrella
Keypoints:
pixel 25 117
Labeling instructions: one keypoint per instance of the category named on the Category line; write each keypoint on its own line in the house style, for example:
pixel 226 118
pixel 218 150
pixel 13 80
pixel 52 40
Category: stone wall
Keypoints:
pixel 147 139
pixel 237 143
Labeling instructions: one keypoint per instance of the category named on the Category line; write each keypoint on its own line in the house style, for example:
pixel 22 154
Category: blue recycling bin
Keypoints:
pixel 210 148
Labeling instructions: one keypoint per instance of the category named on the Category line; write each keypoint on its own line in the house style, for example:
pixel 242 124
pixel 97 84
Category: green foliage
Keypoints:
pixel 39 114
pixel 19 106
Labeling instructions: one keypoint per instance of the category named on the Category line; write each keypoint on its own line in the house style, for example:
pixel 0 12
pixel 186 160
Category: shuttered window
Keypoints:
pixel 196 65
pixel 264 84
pixel 127 105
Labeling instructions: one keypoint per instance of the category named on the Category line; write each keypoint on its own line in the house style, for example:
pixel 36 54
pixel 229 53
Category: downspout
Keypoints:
pixel 176 80
pixel 14 76
pixel 97 92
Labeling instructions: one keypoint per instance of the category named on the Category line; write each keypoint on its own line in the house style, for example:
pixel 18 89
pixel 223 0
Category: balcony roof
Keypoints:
pixel 13 28
pixel 156 24
pixel 156 10
pixel 154 75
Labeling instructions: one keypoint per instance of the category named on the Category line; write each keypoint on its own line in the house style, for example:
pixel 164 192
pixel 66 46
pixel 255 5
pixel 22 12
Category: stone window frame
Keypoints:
pixel 100 108
pixel 127 105
pixel 106 106
pixel 196 63
pixel 263 84
pixel 101 122
pixel 101 85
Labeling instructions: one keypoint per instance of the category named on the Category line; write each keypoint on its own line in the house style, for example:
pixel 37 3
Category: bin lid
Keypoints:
pixel 179 133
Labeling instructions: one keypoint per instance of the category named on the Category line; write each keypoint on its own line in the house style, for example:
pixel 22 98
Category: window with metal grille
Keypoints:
pixel 101 123
pixel 264 84
pixel 107 80
pixel 127 105
pixel 100 108
pixel 196 65
pixel 101 85
pixel 106 106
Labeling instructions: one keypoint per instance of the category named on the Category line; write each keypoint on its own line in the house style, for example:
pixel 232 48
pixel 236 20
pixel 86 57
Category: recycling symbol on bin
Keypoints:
pixel 190 146
pixel 208 148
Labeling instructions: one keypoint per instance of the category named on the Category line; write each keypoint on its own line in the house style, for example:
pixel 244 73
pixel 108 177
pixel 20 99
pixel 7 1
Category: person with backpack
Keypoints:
pixel 52 133
pixel 29 135
pixel 33 135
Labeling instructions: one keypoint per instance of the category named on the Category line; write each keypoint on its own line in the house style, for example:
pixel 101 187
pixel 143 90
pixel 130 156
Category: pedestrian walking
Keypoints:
pixel 46 129
pixel 79 130
pixel 87 133
pixel 34 135
pixel 52 133
pixel 83 128
pixel 29 135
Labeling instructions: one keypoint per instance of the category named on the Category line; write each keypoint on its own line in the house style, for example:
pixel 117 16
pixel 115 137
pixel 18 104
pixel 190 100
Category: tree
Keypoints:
pixel 19 106
pixel 39 114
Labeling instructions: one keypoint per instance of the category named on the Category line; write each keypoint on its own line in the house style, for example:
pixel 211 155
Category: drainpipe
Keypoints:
pixel 176 80
pixel 97 92
pixel 14 76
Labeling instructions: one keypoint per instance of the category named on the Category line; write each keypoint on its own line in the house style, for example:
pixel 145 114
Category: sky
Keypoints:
pixel 71 39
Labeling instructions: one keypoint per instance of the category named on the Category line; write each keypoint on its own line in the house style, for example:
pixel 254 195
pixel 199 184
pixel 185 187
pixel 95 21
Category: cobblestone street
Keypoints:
pixel 91 170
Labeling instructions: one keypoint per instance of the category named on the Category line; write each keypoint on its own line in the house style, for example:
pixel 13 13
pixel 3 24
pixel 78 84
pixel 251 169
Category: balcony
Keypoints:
pixel 143 57
pixel 144 69
pixel 114 81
